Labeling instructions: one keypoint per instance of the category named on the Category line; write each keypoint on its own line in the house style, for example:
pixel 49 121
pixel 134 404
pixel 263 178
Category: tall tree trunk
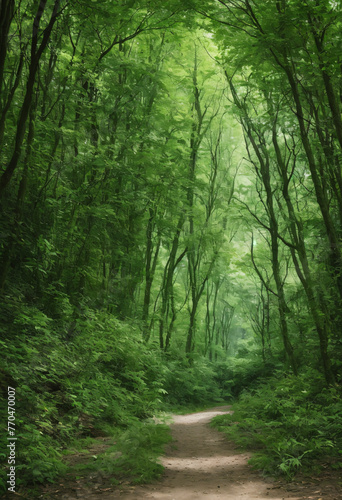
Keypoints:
pixel 36 53
pixel 150 267
pixel 263 172
pixel 296 231
pixel 7 258
pixel 167 286
pixel 6 16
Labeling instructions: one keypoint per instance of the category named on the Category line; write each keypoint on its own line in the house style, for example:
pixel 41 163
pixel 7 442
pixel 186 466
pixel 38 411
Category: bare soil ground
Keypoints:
pixel 200 464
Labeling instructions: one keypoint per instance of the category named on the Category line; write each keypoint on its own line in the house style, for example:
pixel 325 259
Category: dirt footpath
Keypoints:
pixel 201 464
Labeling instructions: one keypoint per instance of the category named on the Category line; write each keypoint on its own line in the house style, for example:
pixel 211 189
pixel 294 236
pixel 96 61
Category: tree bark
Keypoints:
pixel 36 54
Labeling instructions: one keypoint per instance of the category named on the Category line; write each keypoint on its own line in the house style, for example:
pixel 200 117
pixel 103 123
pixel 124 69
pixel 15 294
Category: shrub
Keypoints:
pixel 190 385
pixel 290 422
pixel 66 386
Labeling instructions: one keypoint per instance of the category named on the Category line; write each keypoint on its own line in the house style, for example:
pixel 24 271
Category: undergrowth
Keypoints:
pixel 134 456
pixel 96 378
pixel 75 387
pixel 192 387
pixel 290 424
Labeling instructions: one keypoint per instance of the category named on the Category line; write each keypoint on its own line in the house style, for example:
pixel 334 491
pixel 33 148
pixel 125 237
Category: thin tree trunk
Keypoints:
pixel 25 109
pixel 150 267
pixel 296 231
pixel 263 172
pixel 8 251
pixel 167 287
pixel 6 16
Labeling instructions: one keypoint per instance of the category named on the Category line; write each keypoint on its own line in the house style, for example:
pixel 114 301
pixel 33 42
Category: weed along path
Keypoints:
pixel 202 464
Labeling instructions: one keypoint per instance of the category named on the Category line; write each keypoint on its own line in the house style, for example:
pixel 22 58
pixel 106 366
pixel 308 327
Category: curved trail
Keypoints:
pixel 202 464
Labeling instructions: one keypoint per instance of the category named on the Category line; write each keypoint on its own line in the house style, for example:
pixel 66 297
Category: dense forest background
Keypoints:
pixel 171 209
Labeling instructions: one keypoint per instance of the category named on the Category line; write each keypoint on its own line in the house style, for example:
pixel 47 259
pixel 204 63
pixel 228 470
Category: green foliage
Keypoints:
pixel 105 376
pixel 236 375
pixel 134 457
pixel 290 423
pixel 141 446
pixel 128 195
pixel 195 385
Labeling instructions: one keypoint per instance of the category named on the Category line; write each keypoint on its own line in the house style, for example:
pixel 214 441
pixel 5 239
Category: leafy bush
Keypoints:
pixel 134 456
pixel 193 384
pixel 235 375
pixel 289 422
pixel 141 445
pixel 100 375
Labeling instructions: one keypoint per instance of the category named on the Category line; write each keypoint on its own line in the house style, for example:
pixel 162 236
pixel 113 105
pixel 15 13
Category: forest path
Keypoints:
pixel 202 464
